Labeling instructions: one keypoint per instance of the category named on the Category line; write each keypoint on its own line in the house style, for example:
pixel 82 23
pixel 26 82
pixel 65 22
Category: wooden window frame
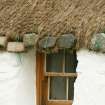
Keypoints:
pixel 63 74
pixel 55 74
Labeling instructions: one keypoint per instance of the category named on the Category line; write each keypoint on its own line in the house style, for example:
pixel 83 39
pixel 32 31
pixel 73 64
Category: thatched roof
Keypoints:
pixel 54 17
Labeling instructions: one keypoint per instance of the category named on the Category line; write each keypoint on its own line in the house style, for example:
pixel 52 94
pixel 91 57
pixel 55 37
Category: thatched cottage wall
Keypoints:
pixel 54 17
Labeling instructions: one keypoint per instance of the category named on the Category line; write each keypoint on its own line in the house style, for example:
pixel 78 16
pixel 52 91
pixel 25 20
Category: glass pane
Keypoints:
pixel 70 62
pixel 58 88
pixel 54 62
pixel 71 88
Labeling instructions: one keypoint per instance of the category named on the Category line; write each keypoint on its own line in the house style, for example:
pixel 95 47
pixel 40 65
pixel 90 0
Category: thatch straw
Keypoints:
pixel 55 17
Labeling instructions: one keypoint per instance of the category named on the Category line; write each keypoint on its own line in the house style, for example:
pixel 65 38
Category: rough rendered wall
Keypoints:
pixel 90 83
pixel 17 78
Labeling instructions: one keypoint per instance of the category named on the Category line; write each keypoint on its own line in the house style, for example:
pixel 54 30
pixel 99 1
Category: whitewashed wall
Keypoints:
pixel 90 83
pixel 17 78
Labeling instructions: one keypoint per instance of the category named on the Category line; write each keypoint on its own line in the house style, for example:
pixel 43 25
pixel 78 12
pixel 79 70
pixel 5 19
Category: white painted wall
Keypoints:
pixel 90 83
pixel 17 78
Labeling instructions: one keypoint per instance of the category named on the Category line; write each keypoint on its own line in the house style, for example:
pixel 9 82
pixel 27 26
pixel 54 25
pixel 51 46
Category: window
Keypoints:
pixel 61 71
pixel 57 92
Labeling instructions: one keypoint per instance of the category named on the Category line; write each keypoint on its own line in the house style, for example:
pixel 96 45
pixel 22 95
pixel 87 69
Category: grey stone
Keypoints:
pixel 29 39
pixel 47 42
pixel 62 42
pixel 98 42
pixel 3 41
pixel 66 41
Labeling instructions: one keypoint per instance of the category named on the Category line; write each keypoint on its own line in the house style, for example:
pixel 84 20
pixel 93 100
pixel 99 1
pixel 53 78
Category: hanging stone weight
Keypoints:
pixel 15 47
pixel 66 41
pixel 47 42
pixel 29 39
pixel 3 41
pixel 98 42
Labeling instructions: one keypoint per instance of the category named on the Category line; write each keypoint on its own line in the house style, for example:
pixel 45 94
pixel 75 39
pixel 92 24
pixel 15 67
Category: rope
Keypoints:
pixel 47 42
